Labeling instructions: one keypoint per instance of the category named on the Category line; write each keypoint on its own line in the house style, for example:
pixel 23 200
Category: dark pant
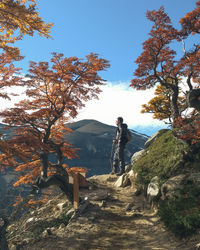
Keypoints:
pixel 118 160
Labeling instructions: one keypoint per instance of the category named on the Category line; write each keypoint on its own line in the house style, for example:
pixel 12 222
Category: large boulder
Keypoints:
pixel 128 168
pixel 127 179
pixel 132 177
pixel 172 185
pixel 153 189
pixel 154 137
pixel 136 156
pixel 122 181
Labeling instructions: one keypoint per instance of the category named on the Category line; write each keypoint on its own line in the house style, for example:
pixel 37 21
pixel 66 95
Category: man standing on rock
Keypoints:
pixel 120 142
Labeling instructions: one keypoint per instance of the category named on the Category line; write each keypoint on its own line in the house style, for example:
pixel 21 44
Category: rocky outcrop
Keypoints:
pixel 154 137
pixel 122 181
pixel 169 188
pixel 176 183
pixel 136 156
pixel 153 189
pixel 127 179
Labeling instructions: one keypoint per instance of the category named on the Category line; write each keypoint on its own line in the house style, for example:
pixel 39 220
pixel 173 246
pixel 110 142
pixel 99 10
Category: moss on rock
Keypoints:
pixel 162 158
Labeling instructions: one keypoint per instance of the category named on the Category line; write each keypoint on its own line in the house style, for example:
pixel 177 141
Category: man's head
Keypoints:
pixel 119 121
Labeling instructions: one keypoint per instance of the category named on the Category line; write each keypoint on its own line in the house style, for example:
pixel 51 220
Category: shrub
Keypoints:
pixel 162 158
pixel 181 214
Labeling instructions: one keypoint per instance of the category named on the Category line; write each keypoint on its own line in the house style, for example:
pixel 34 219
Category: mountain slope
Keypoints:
pixel 94 140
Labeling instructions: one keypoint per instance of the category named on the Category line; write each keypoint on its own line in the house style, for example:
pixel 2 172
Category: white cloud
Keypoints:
pixel 120 100
pixel 116 99
pixel 5 103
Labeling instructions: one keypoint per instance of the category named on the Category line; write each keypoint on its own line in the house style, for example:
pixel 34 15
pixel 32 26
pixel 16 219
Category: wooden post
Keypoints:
pixel 76 189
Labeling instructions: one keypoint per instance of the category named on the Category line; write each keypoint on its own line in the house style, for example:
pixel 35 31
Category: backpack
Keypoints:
pixel 128 135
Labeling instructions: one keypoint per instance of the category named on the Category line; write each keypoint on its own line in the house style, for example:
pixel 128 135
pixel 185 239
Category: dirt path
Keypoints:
pixel 108 225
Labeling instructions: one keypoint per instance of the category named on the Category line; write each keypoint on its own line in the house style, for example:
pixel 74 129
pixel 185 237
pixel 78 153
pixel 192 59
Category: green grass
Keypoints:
pixel 181 214
pixel 162 158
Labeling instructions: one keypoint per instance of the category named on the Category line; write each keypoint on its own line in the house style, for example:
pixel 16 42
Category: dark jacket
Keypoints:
pixel 121 133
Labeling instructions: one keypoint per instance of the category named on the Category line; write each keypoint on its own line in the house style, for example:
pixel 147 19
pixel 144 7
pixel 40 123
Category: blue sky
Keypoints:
pixel 115 29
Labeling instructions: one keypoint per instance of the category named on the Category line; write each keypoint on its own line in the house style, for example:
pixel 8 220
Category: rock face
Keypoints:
pixel 153 188
pixel 172 186
pixel 127 179
pixel 153 138
pixel 193 97
pixel 136 156
pixel 122 181
pixel 169 188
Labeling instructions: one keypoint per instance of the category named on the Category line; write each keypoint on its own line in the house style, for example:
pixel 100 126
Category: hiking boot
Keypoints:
pixel 120 173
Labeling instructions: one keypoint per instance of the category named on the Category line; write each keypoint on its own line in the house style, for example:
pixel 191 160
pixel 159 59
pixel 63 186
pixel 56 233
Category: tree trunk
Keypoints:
pixel 57 180
pixel 45 164
pixel 193 99
pixel 174 104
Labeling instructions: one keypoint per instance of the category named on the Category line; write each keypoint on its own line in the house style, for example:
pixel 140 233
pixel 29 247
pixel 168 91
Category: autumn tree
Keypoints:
pixel 158 64
pixel 19 18
pixel 159 105
pixel 191 22
pixel 9 77
pixel 55 92
pixel 189 126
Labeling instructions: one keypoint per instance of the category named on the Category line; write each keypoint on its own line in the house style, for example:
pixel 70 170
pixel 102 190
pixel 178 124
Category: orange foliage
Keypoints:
pixel 156 64
pixel 189 128
pixel 54 95
pixel 29 202
pixel 18 200
pixel 159 64
pixel 77 170
pixel 35 203
pixel 191 21
pixel 18 18
pixel 159 106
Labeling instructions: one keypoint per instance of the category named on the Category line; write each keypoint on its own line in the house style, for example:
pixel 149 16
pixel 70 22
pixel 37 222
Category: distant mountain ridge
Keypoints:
pixel 95 142
pixel 93 138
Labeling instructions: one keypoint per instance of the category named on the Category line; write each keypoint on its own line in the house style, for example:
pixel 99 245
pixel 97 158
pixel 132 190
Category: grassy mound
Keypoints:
pixel 163 158
pixel 168 156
